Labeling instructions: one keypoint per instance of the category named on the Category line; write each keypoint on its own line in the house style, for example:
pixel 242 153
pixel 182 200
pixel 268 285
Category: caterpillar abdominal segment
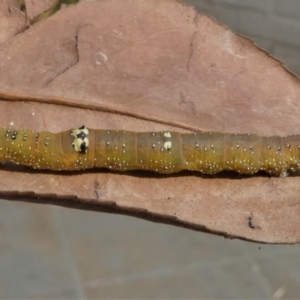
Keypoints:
pixel 161 152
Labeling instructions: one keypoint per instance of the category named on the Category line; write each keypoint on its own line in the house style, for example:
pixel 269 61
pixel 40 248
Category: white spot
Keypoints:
pixel 102 57
pixel 167 134
pixel 167 145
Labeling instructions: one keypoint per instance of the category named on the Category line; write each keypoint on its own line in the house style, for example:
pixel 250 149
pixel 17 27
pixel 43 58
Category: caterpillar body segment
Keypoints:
pixel 161 152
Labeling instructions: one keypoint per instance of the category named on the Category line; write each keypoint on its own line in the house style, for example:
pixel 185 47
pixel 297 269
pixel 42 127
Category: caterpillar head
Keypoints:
pixel 81 140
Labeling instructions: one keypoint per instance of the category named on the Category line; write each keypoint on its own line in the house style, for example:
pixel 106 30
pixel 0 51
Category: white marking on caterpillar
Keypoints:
pixel 167 134
pixel 167 145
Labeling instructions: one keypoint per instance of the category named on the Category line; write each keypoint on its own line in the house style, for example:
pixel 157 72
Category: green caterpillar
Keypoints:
pixel 161 152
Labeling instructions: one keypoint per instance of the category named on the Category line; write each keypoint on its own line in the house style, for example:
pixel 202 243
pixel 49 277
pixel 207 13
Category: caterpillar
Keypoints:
pixel 162 152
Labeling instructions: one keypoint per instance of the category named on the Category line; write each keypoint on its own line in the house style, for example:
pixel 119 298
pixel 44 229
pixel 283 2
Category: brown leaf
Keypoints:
pixel 12 20
pixel 146 66
pixel 37 7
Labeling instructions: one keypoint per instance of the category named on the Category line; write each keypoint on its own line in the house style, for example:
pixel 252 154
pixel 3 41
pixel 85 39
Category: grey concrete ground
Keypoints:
pixel 55 253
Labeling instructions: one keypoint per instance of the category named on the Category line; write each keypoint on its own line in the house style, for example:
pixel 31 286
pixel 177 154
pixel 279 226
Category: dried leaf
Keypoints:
pixel 12 19
pixel 147 66
pixel 37 7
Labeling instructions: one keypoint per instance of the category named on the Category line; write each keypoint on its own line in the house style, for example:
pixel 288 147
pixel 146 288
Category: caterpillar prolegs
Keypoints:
pixel 162 152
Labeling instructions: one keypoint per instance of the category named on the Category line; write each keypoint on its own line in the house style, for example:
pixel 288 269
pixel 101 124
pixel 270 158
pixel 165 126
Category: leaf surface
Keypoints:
pixel 150 66
pixel 37 7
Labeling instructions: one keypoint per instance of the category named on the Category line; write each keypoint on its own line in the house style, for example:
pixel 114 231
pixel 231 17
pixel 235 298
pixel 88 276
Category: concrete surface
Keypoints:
pixel 49 252
pixel 55 253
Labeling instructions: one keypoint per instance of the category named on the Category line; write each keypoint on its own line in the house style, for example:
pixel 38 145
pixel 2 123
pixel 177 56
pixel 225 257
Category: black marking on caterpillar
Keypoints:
pixel 161 152
pixel 81 141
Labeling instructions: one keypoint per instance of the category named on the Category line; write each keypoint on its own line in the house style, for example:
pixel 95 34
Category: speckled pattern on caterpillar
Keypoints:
pixel 162 152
